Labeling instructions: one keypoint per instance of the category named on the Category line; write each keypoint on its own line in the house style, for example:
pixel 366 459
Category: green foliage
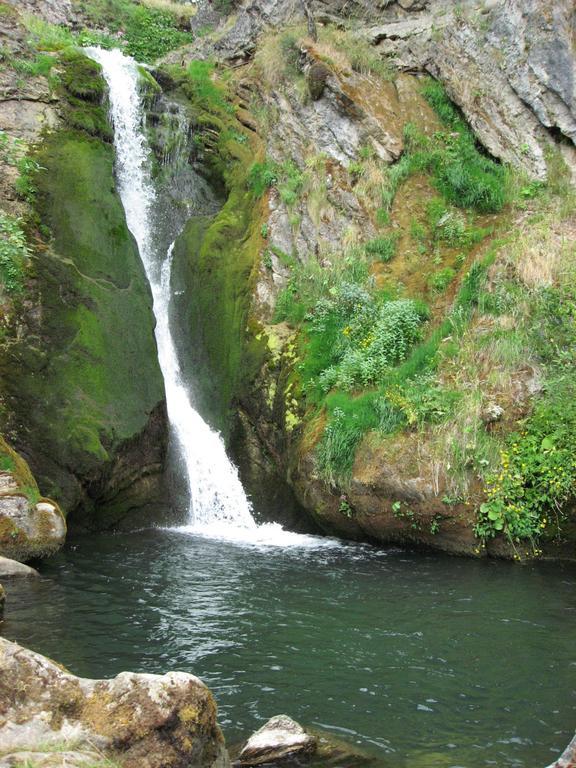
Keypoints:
pixel 383 247
pixel 287 177
pixel 146 33
pixel 309 283
pixel 14 254
pixel 440 280
pixel 25 184
pixel 206 92
pixel 290 182
pixel 435 94
pixel 261 177
pixel 350 419
pixel 371 337
pixel 462 173
pixel 290 49
pixel 41 65
pixel 48 37
pixel 537 473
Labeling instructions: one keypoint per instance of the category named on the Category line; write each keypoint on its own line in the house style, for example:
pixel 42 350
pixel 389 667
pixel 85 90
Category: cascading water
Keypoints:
pixel 216 494
pixel 218 504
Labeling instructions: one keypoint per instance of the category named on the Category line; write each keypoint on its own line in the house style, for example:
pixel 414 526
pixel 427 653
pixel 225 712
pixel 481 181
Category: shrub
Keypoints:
pixel 14 253
pixel 373 339
pixel 537 473
pixel 440 280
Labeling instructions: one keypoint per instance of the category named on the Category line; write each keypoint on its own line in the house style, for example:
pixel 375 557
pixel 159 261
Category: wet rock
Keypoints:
pixel 279 738
pixel 12 568
pixel 137 720
pixel 2 601
pixel 29 530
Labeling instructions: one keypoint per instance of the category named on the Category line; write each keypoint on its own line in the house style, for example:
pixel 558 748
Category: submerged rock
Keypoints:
pixel 136 720
pixel 279 738
pixel 12 568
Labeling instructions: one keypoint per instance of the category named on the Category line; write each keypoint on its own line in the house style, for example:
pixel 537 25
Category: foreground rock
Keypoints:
pixel 137 720
pixel 279 738
pixel 13 569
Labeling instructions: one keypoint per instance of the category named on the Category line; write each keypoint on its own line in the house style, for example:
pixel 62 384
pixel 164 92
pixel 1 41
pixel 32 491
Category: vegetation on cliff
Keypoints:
pixel 434 326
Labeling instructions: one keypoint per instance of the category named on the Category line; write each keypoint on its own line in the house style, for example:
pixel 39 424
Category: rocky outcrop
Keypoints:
pixel 133 720
pixel 30 526
pixel 52 11
pixel 510 66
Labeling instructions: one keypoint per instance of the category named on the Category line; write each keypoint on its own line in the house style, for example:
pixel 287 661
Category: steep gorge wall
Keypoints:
pixel 82 392
pixel 520 105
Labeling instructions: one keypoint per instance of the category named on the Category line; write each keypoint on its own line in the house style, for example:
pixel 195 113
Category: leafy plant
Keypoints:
pixel 537 473
pixel 14 253
pixel 261 177
pixel 440 280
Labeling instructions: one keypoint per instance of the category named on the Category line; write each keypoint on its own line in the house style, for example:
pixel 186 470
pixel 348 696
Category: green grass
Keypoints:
pixel 147 33
pixel 382 248
pixel 461 172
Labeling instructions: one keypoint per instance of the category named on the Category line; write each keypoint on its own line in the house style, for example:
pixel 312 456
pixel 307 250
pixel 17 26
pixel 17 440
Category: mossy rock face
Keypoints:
pixel 82 93
pixel 82 382
pixel 216 261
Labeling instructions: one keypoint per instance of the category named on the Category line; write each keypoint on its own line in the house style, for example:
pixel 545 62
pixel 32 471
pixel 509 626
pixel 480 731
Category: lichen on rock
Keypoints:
pixel 134 720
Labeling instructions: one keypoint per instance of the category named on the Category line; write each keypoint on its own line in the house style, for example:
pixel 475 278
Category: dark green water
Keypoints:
pixel 417 658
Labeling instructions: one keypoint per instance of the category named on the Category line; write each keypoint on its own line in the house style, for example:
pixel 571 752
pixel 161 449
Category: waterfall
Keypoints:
pixel 216 494
pixel 218 506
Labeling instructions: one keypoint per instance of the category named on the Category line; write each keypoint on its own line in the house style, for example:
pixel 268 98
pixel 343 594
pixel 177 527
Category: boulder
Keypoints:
pixel 279 738
pixel 13 569
pixel 135 720
pixel 29 530
pixel 30 527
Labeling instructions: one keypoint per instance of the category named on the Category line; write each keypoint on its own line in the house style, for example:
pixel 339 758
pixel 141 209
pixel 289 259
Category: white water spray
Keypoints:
pixel 218 505
pixel 216 494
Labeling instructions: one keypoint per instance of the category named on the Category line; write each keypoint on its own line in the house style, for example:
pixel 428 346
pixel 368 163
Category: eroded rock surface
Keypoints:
pixel 138 720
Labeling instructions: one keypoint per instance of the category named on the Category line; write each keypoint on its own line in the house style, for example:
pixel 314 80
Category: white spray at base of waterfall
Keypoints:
pixel 219 507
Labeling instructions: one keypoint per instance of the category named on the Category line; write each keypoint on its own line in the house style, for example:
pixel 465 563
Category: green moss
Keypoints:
pixel 220 257
pixel 82 90
pixel 221 271
pixel 91 380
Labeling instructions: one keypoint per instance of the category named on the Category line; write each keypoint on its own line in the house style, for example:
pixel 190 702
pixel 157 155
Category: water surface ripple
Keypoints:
pixel 416 658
